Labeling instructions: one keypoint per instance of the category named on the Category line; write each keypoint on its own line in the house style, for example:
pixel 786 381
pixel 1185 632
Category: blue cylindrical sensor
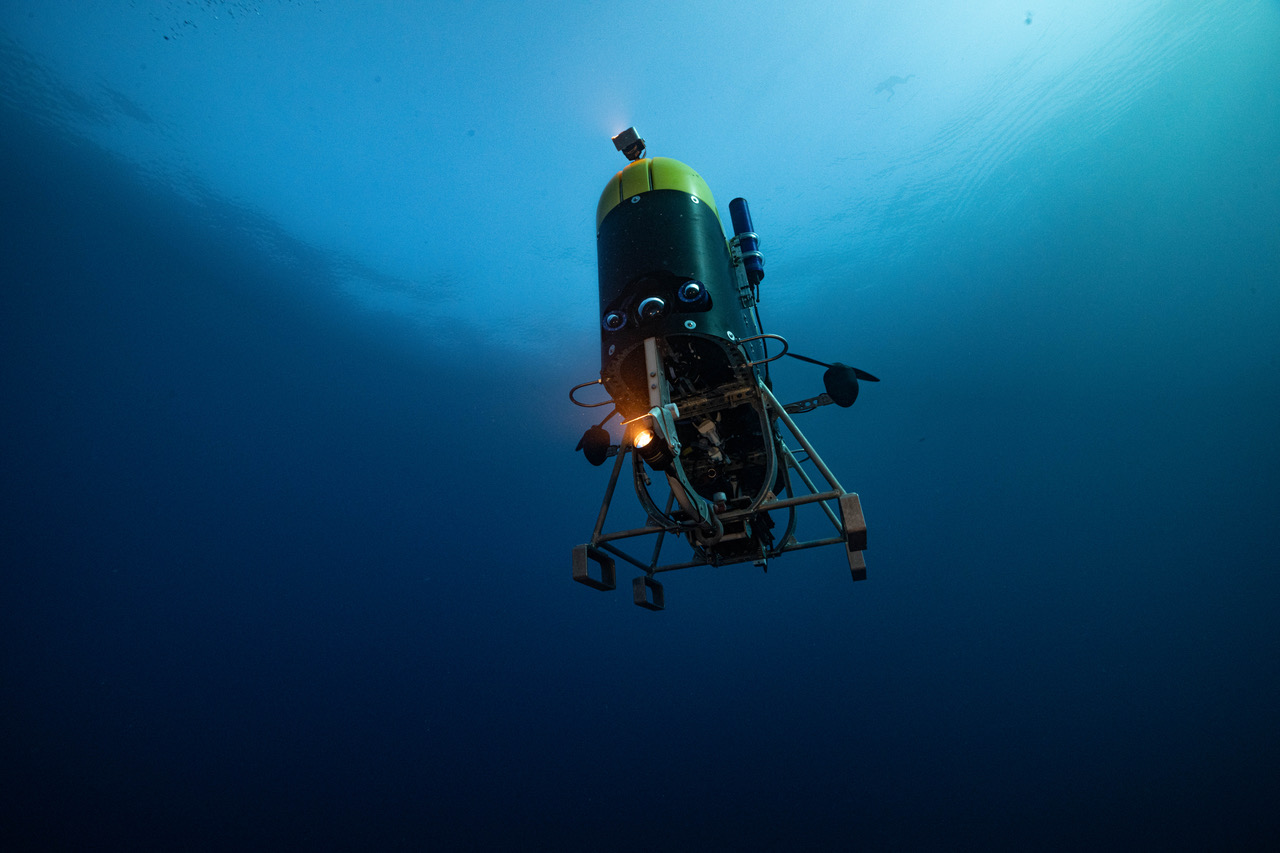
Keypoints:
pixel 748 242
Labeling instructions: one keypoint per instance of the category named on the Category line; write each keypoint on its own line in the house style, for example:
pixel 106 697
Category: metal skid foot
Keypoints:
pixel 857 566
pixel 854 527
pixel 640 588
pixel 583 556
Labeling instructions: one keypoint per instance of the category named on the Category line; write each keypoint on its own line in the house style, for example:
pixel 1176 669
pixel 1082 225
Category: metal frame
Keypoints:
pixel 846 519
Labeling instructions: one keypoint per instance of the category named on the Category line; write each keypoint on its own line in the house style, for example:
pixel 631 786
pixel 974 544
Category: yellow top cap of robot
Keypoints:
pixel 653 173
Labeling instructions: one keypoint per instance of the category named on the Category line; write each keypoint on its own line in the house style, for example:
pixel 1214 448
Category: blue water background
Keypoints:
pixel 282 573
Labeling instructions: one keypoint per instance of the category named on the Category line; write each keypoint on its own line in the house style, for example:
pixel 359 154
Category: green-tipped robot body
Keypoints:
pixel 684 362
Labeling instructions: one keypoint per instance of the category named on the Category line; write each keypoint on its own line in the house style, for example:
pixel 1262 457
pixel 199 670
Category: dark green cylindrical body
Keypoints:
pixel 651 246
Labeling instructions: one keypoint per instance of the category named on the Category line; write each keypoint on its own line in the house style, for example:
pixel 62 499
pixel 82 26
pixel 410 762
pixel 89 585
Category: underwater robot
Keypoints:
pixel 685 365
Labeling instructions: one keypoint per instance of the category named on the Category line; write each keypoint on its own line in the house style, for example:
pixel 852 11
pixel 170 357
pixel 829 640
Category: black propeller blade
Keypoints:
pixel 841 382
pixel 594 444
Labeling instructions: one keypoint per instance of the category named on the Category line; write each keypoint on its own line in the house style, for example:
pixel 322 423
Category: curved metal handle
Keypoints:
pixel 578 402
pixel 785 347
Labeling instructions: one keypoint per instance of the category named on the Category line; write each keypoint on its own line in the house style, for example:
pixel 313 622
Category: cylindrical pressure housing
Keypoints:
pixel 748 242
pixel 666 272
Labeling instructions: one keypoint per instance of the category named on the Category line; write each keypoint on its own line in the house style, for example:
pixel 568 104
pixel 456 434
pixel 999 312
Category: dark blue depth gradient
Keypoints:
pixel 278 574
